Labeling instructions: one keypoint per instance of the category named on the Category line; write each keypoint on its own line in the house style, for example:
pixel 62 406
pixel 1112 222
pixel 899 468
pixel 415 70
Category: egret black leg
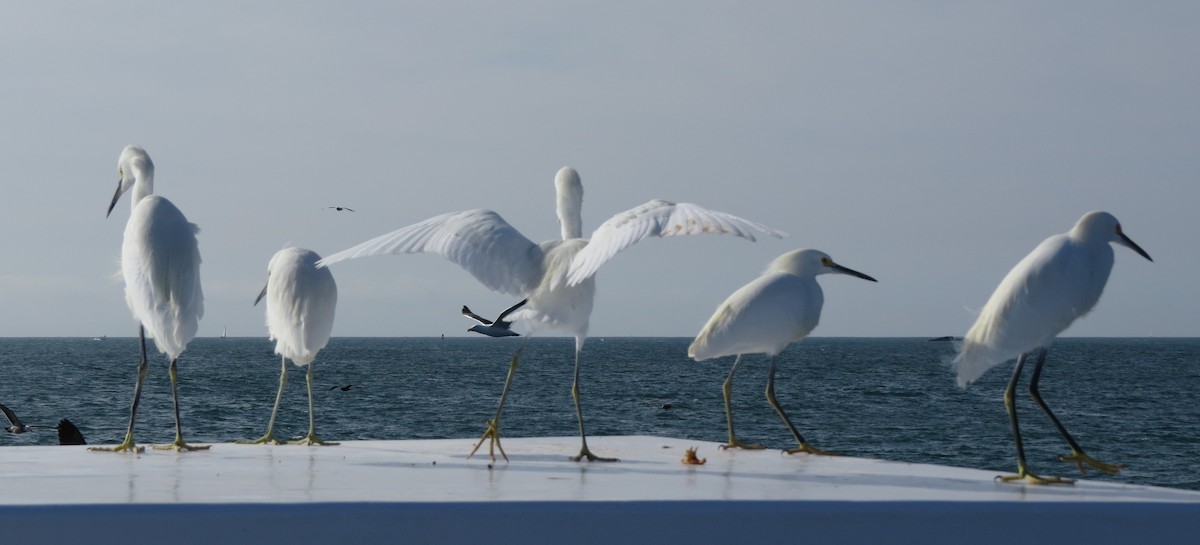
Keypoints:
pixel 584 452
pixel 727 390
pixel 143 367
pixel 804 446
pixel 1010 403
pixel 178 444
pixel 1077 456
pixel 269 437
pixel 492 432
pixel 311 438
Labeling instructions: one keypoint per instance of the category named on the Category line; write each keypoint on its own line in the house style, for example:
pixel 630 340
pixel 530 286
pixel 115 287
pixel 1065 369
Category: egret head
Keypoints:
pixel 806 262
pixel 133 165
pixel 1103 227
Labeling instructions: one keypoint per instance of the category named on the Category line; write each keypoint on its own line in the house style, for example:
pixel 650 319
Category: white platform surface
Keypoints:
pixel 429 491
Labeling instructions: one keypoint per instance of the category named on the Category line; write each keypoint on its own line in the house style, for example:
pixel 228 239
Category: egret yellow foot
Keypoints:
pixel 734 443
pixel 126 446
pixel 310 440
pixel 268 439
pixel 809 449
pixel 1081 460
pixel 585 453
pixel 1034 479
pixel 492 435
pixel 180 446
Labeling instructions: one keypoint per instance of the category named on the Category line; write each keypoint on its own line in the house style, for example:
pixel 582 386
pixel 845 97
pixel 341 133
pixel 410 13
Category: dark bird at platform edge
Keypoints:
pixel 68 434
pixel 498 328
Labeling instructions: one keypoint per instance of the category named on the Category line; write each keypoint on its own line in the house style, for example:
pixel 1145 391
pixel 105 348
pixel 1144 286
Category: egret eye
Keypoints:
pixel 826 261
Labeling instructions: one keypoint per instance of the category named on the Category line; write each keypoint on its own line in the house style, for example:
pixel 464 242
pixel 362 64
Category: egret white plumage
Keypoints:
pixel 556 276
pixel 301 300
pixel 498 328
pixel 160 262
pixel 1058 282
pixel 781 306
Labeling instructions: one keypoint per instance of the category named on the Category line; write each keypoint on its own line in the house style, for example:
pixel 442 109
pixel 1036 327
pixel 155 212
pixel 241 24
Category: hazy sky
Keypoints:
pixel 928 144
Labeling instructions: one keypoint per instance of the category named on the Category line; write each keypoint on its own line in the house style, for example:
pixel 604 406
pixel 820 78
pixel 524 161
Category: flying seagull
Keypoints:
pixel 498 328
pixel 17 425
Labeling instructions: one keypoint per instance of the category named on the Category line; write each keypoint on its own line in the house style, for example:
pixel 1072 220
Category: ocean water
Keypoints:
pixel 1131 401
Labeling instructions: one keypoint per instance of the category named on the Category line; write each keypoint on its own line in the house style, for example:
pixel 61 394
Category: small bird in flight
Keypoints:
pixel 345 388
pixel 17 425
pixel 498 328
pixel 340 208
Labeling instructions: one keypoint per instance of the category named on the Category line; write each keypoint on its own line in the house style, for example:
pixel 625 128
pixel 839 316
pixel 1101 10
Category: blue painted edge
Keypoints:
pixel 686 522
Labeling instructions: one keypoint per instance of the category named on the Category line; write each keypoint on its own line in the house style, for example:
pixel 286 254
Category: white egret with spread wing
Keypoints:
pixel 556 276
pixel 301 300
pixel 160 262
pixel 1058 282
pixel 781 306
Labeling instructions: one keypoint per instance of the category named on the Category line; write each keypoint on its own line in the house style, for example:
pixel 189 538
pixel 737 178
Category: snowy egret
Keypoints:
pixel 779 307
pixel 498 328
pixel 555 276
pixel 301 299
pixel 160 261
pixel 1050 288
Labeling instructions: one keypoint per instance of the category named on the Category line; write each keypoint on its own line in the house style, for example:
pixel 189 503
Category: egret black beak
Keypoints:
pixel 261 294
pixel 851 272
pixel 116 197
pixel 1133 245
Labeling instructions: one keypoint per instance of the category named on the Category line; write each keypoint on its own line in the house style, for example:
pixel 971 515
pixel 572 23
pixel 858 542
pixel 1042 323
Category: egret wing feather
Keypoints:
pixel 301 303
pixel 751 321
pixel 160 260
pixel 657 218
pixel 479 241
pixel 1057 283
